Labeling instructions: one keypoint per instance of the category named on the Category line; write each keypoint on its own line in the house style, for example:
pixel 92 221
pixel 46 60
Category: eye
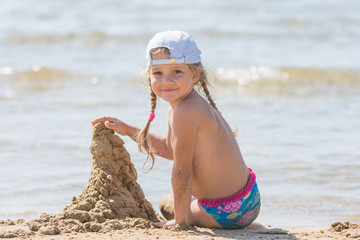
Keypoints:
pixel 156 73
pixel 177 71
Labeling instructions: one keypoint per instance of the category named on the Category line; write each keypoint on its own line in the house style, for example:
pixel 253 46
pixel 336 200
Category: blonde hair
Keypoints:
pixel 144 144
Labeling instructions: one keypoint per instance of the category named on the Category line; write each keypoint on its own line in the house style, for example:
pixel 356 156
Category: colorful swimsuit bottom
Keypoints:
pixel 238 210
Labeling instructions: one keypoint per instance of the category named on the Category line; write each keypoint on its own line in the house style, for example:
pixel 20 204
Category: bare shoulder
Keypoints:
pixel 185 108
pixel 188 109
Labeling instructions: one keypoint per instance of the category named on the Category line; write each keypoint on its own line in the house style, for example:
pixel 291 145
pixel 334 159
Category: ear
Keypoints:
pixel 196 77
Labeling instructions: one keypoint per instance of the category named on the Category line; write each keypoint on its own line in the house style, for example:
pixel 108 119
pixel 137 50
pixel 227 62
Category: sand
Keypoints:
pixel 347 230
pixel 113 206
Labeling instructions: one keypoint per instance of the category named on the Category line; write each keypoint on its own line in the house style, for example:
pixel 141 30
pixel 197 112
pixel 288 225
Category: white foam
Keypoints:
pixel 247 76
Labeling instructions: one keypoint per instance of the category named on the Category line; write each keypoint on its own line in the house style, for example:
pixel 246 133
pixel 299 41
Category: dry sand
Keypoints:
pixel 338 230
pixel 113 206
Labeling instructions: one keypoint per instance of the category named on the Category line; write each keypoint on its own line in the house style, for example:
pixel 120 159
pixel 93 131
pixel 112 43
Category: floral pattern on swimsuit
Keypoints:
pixel 237 211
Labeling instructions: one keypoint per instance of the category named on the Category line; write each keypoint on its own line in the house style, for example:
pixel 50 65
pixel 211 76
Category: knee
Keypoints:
pixel 166 207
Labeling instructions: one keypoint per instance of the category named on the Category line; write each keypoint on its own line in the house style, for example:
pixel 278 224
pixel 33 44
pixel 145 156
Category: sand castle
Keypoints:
pixel 112 191
pixel 112 198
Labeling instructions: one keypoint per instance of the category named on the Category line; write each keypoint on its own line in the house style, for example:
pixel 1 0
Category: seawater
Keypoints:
pixel 285 74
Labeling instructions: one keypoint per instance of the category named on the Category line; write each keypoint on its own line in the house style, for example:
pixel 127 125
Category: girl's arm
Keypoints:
pixel 159 143
pixel 184 130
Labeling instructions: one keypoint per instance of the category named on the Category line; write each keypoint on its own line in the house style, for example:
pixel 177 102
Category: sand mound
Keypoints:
pixel 112 191
pixel 338 226
pixel 111 200
pixel 346 229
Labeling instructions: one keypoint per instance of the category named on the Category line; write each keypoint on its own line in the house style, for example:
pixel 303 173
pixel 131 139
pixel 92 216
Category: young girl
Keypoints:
pixel 207 160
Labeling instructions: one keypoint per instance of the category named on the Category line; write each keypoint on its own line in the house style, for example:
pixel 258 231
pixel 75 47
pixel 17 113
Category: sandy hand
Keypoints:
pixel 112 123
pixel 166 223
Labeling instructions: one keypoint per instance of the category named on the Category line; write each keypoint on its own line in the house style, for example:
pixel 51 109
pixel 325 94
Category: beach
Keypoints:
pixel 285 74
pixel 11 230
pixel 113 206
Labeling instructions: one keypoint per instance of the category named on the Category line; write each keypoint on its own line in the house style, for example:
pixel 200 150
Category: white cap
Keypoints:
pixel 182 47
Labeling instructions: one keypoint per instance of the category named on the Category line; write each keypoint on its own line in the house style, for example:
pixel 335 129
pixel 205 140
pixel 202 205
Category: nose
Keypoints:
pixel 167 78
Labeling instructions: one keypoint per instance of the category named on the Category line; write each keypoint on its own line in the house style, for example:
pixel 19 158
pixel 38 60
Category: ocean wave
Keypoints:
pixel 37 78
pixel 36 73
pixel 289 80
pixel 94 36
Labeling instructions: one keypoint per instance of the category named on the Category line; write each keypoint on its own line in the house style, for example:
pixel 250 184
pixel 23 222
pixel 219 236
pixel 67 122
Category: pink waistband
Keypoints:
pixel 236 196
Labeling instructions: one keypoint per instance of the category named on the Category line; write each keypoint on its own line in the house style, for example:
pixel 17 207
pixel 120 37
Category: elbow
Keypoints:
pixel 171 157
pixel 167 155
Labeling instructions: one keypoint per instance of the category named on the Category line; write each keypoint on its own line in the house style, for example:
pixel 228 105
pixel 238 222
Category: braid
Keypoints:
pixel 144 144
pixel 207 93
pixel 203 80
pixel 204 84
pixel 153 101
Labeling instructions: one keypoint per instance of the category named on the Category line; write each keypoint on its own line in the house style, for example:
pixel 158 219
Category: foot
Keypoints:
pixel 255 225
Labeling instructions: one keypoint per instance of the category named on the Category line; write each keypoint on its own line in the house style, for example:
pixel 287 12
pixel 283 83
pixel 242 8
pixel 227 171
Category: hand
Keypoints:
pixel 112 123
pixel 166 223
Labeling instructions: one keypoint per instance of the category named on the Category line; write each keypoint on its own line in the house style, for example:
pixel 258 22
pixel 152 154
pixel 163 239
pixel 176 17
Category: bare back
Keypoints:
pixel 218 166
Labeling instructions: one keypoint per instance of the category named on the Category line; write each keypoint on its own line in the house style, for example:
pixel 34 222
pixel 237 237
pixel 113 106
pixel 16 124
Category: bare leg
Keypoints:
pixel 255 225
pixel 166 207
pixel 199 217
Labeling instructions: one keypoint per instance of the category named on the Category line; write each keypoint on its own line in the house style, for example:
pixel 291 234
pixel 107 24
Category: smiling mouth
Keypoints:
pixel 168 90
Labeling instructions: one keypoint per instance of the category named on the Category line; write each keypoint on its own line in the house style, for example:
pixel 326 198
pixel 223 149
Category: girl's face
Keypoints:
pixel 171 82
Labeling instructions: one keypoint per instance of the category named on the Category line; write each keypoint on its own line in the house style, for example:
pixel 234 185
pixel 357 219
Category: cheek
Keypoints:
pixel 154 84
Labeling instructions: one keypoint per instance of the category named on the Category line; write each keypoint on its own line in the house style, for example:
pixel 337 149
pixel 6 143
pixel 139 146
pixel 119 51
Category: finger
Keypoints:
pixel 170 223
pixel 98 120
pixel 109 124
pixel 159 224
pixel 102 119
